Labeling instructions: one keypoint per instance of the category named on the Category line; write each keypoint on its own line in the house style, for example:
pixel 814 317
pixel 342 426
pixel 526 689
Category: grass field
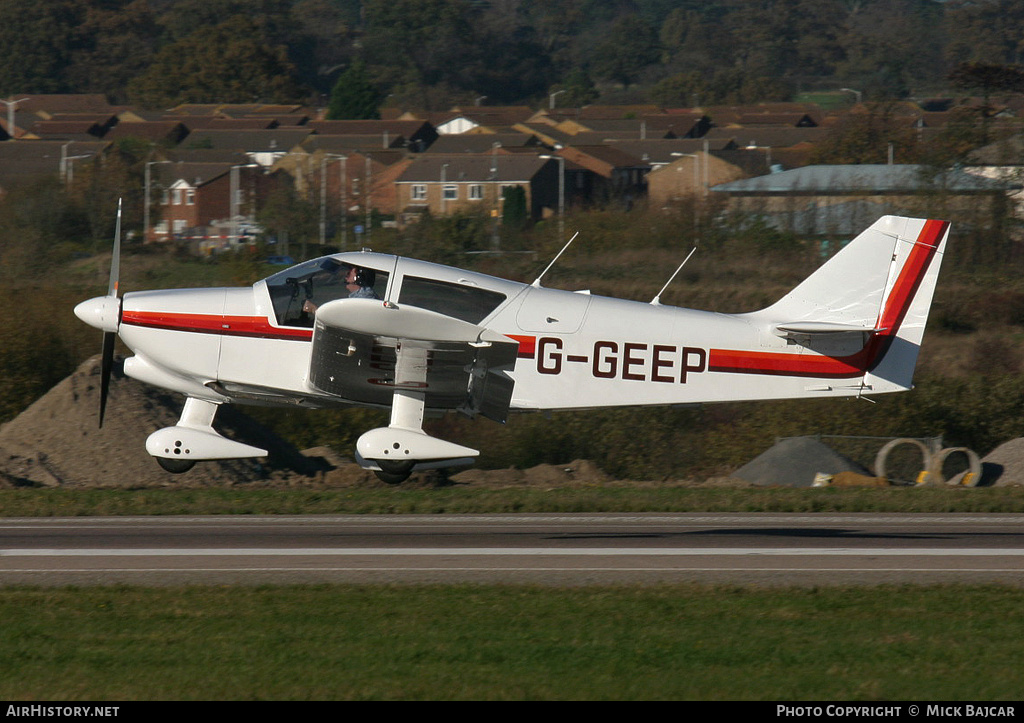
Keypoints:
pixel 511 643
pixel 494 642
pixel 465 500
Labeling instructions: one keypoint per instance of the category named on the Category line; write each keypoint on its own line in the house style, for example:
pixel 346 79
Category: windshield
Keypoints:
pixel 297 292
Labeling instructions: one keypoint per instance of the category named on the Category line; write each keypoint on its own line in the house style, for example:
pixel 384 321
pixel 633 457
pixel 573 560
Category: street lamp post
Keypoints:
pixel 444 180
pixel 856 93
pixel 145 210
pixel 368 184
pixel 323 198
pixel 234 199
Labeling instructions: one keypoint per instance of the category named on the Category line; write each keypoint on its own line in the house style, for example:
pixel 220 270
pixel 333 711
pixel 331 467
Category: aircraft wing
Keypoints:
pixel 366 350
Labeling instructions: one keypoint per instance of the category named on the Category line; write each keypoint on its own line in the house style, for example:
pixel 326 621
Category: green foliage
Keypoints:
pixel 435 53
pixel 231 62
pixel 447 239
pixel 42 343
pixel 354 97
pixel 864 137
pixel 629 46
pixel 579 90
pixel 514 214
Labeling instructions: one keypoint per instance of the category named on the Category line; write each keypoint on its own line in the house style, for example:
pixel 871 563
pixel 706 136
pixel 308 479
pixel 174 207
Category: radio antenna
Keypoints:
pixel 656 301
pixel 558 256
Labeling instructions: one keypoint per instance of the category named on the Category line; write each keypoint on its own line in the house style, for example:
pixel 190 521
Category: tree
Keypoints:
pixel 354 97
pixel 989 32
pixel 579 89
pixel 112 43
pixel 629 47
pixel 513 211
pixel 988 78
pixel 424 42
pixel 34 41
pixel 866 137
pixel 226 63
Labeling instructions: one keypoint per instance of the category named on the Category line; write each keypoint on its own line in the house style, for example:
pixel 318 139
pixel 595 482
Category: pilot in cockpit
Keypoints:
pixel 359 283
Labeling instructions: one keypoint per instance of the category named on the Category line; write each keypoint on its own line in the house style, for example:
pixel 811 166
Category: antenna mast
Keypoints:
pixel 656 301
pixel 558 256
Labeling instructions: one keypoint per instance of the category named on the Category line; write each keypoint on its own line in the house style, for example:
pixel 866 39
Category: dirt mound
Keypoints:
pixel 795 462
pixel 578 471
pixel 1003 467
pixel 56 441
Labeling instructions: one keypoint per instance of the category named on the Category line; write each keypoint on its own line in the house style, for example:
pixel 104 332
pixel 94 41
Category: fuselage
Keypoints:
pixel 576 350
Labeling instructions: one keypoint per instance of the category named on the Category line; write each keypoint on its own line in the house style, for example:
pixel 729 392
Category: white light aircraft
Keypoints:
pixel 370 329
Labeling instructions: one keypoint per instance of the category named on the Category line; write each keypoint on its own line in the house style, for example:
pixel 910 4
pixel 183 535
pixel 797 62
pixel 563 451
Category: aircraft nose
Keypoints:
pixel 101 312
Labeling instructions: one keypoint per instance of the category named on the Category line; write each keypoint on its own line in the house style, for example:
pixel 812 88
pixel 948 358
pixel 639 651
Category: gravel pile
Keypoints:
pixel 795 462
pixel 1004 466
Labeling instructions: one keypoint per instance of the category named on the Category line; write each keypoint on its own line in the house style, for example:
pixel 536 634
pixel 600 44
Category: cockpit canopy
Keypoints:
pixel 320 281
pixel 449 291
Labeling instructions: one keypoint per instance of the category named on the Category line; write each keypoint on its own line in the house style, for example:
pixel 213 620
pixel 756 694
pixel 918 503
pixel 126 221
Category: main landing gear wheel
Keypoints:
pixel 176 466
pixel 392 472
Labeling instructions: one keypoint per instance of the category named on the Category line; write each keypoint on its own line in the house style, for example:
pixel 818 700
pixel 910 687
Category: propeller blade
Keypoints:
pixel 106 366
pixel 115 258
pixel 110 337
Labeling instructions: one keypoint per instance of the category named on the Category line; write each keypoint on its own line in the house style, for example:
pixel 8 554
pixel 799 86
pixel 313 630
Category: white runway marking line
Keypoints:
pixel 517 552
pixel 505 570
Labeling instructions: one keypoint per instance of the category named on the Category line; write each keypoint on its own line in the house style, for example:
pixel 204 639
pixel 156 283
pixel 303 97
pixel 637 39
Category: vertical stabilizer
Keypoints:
pixel 861 316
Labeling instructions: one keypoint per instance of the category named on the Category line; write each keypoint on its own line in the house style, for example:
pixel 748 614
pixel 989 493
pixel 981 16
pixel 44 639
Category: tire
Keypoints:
pixel 392 472
pixel 176 466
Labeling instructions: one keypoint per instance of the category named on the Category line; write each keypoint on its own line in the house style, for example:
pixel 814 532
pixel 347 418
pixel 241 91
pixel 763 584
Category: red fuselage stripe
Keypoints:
pixel 527 345
pixel 252 326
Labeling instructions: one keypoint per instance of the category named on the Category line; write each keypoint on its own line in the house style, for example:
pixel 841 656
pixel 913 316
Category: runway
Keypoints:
pixel 554 549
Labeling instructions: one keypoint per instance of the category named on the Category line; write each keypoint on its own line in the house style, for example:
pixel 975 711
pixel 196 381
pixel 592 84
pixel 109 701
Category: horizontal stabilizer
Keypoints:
pixel 803 328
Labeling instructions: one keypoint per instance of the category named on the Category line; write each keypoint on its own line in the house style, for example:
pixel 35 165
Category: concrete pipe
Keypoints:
pixel 970 478
pixel 924 477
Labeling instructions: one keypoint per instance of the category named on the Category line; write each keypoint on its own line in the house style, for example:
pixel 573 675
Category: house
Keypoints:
pixel 838 200
pixel 662 151
pixel 162 133
pixel 486 143
pixel 604 174
pixel 190 198
pixel 262 146
pixel 1001 161
pixel 26 162
pixel 492 118
pixel 418 134
pixel 689 176
pixel 335 175
pixel 446 184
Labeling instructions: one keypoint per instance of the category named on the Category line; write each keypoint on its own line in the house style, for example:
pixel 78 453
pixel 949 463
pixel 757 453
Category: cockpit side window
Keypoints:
pixel 298 291
pixel 467 303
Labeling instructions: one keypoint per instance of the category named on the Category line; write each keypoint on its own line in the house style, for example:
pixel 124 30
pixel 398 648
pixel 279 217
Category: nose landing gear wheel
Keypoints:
pixel 176 466
pixel 392 472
